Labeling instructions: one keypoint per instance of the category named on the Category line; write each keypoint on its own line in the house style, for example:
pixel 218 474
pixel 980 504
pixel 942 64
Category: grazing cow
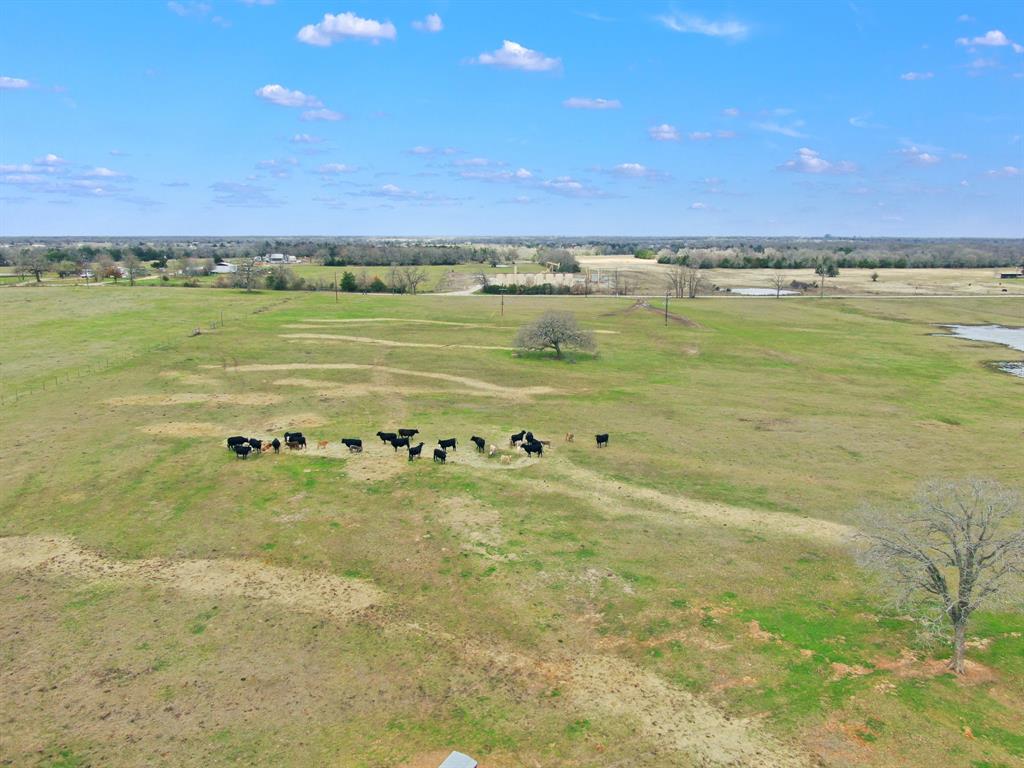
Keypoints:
pixel 321 444
pixel 517 438
pixel 446 444
pixel 569 437
pixel 256 445
pixel 415 451
pixel 276 445
pixel 242 451
pixel 602 440
pixel 491 450
pixel 292 436
pixel 400 442
pixel 479 442
pixel 354 444
pixel 297 443
pixel 236 440
pixel 506 459
pixel 440 455
pixel 408 432
pixel 386 437
pixel 532 448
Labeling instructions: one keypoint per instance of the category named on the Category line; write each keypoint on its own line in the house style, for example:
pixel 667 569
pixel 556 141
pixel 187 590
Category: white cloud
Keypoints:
pixel 698 206
pixel 633 170
pixel 978 66
pixel 917 76
pixel 958 156
pixel 809 161
pixel 305 138
pixel 512 55
pixel 730 30
pixel 188 8
pixel 332 169
pixel 566 186
pixel 993 38
pixel 579 102
pixel 964 17
pixel 1006 171
pixel 421 150
pixel 520 174
pixel 784 130
pixel 731 112
pixel 50 159
pixel 102 173
pixel 322 114
pixel 663 132
pixel 333 29
pixel 13 83
pixel 430 24
pixel 919 156
pixel 278 94
pixel 699 135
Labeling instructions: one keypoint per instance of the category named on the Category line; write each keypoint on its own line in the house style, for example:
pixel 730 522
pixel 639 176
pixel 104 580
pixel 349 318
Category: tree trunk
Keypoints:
pixel 558 351
pixel 956 664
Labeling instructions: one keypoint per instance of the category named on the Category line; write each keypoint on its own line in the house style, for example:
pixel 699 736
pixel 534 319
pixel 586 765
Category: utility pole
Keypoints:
pixel 502 303
pixel 666 308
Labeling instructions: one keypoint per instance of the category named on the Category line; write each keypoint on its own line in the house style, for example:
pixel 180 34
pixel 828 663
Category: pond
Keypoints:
pixel 994 334
pixel 762 292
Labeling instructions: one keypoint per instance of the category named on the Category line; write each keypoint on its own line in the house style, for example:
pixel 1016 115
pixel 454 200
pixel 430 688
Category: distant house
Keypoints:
pixel 280 258
pixel 1010 275
pixel 224 269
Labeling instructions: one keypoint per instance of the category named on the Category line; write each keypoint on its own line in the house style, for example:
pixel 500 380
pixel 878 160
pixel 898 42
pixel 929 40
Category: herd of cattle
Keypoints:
pixel 296 441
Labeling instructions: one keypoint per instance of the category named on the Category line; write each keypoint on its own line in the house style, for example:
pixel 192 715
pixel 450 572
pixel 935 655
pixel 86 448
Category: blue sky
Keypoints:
pixel 449 118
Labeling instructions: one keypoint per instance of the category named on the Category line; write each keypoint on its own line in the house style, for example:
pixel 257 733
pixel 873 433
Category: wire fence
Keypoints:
pixel 107 363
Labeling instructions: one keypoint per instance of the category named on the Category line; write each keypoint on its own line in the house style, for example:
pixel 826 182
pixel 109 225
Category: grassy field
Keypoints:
pixel 684 597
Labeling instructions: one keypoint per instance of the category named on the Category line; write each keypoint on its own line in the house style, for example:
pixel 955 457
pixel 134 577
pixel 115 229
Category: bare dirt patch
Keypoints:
pixel 516 393
pixel 683 509
pixel 476 525
pixel 673 718
pixel 184 398
pixel 192 379
pixel 367 389
pixel 384 342
pixel 184 429
pixel 472 458
pixel 308 591
pixel 908 665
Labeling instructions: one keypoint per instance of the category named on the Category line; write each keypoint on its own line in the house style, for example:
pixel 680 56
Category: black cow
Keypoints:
pixel 296 441
pixel 517 438
pixel 236 440
pixel 256 445
pixel 408 432
pixel 532 448
pixel 602 440
pixel 449 443
pixel 242 451
pixel 386 437
pixel 479 442
pixel 440 455
pixel 354 444
pixel 276 445
pixel 529 438
pixel 400 442
pixel 415 451
pixel 291 436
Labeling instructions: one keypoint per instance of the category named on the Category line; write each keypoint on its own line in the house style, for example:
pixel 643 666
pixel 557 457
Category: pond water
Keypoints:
pixel 762 292
pixel 995 334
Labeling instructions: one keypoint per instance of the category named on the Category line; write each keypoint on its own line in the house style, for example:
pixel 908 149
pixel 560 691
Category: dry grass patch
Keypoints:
pixel 330 337
pixel 184 398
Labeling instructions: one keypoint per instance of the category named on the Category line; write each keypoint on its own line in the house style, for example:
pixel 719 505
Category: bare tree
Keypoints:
pixel 693 281
pixel 778 281
pixel 557 331
pixel 961 547
pixel 31 261
pixel 414 278
pixel 248 271
pixel 675 280
pixel 131 266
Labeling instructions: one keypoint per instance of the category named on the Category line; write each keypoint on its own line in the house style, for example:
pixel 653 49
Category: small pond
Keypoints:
pixel 994 334
pixel 762 292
